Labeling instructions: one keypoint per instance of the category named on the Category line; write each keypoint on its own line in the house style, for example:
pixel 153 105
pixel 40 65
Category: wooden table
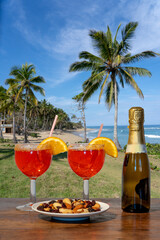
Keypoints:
pixel 113 224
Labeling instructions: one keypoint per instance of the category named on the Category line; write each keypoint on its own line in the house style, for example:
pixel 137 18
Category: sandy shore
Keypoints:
pixel 67 136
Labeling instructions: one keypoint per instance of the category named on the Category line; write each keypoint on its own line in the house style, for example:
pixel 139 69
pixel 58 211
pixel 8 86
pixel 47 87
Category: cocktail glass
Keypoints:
pixel 32 160
pixel 86 161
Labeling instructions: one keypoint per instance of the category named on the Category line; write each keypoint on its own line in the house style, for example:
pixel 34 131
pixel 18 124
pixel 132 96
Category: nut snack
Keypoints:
pixel 67 205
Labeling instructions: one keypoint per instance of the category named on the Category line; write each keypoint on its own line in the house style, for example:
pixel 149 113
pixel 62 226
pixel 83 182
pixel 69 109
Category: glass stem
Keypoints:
pixel 86 189
pixel 33 191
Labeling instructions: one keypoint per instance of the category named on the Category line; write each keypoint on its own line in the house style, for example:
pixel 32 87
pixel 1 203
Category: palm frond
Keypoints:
pixel 139 56
pixel 32 98
pixel 89 56
pixel 117 60
pixel 109 37
pixel 78 97
pixel 13 87
pixel 101 44
pixel 128 31
pixel 2 89
pixel 37 79
pixel 102 88
pixel 95 77
pixel 81 66
pixel 120 78
pixel 138 71
pixel 115 38
pixel 130 80
pixel 127 34
pixel 110 94
pixel 19 93
pixel 28 68
pixel 11 81
pixel 37 89
pixel 109 98
pixel 17 72
pixel 116 44
pixel 14 68
pixel 30 71
pixel 90 90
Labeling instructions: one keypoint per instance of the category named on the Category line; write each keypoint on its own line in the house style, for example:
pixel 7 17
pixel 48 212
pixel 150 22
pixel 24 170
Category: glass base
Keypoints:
pixel 80 219
pixel 26 207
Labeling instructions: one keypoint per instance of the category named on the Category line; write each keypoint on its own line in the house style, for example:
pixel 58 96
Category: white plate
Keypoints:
pixel 104 207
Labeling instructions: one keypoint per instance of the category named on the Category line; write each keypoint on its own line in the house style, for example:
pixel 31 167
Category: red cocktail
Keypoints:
pixel 86 161
pixel 33 163
pixel 33 160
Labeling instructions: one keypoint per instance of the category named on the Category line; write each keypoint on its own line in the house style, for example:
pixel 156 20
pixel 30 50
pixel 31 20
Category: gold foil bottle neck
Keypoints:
pixel 136 115
pixel 136 129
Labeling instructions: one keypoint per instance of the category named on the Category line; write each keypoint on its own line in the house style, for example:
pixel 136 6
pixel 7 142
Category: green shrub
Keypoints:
pixel 5 140
pixel 35 135
pixel 152 149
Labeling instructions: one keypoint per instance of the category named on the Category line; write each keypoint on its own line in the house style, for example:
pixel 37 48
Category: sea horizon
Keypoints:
pixel 151 132
pixel 121 125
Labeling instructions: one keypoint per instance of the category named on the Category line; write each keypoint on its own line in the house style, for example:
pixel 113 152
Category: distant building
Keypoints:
pixel 6 127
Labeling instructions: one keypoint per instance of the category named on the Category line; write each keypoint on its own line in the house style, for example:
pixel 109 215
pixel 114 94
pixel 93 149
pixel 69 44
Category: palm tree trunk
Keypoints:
pixel 1 133
pixel 25 112
pixel 84 123
pixel 1 128
pixel 47 125
pixel 35 123
pixel 14 129
pixel 44 119
pixel 116 116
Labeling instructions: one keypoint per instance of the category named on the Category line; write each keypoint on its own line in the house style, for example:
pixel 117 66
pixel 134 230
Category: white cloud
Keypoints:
pixel 66 43
pixel 60 101
pixel 67 104
pixel 64 76
pixel 147 13
pixel 72 38
pixel 70 41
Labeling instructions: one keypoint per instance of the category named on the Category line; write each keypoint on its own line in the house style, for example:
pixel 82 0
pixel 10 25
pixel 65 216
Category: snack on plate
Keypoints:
pixel 67 205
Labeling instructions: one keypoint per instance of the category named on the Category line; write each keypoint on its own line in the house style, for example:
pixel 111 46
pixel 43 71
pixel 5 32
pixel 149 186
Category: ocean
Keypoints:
pixel 152 133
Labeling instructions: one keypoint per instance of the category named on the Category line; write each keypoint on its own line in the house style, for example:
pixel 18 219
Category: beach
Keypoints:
pixel 152 134
pixel 68 136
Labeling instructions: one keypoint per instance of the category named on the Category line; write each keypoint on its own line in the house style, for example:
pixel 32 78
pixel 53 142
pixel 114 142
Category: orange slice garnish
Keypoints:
pixel 109 146
pixel 57 145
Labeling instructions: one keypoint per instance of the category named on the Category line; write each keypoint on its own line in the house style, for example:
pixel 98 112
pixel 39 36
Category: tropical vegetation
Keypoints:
pixel 110 68
pixel 26 82
pixel 9 105
pixel 81 107
pixel 19 105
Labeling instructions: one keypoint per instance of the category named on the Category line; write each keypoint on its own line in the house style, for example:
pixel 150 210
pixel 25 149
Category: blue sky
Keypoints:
pixel 50 34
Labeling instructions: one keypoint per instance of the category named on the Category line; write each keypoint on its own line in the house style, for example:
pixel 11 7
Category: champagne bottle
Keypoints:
pixel 136 167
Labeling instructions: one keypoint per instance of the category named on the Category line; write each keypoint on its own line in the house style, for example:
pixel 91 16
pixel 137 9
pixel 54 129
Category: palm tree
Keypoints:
pixel 110 67
pixel 2 94
pixel 25 81
pixel 33 112
pixel 9 103
pixel 63 118
pixel 43 110
pixel 81 106
pixel 50 116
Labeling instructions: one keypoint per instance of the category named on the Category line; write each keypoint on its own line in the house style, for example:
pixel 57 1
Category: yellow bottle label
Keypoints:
pixel 136 148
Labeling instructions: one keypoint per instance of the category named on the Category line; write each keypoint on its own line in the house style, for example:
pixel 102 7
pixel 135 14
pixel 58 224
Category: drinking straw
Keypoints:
pixel 100 130
pixel 53 126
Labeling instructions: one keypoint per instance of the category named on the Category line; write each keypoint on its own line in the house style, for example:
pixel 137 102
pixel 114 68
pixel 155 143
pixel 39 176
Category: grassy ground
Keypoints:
pixel 59 181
